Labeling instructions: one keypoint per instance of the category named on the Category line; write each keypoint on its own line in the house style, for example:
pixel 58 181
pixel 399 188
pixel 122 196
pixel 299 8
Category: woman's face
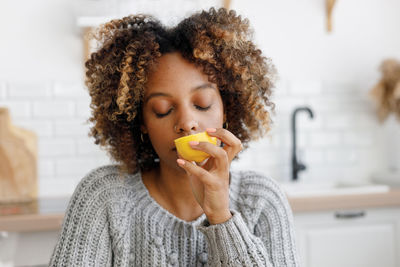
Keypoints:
pixel 179 100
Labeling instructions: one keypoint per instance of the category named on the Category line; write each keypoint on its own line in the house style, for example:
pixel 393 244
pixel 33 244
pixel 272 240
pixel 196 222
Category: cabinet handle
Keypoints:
pixel 349 215
pixel 3 235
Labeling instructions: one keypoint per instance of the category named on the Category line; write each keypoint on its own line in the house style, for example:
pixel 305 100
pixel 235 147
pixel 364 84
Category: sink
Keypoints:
pixel 309 189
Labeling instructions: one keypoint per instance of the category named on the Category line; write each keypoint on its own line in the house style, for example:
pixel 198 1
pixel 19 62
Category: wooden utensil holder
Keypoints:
pixel 18 162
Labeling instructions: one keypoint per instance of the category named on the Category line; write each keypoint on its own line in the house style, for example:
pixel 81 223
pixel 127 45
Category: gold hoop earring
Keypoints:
pixel 141 137
pixel 225 126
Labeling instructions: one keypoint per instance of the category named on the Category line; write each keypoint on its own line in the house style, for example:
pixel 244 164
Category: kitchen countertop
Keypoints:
pixel 345 202
pixel 46 214
pixel 43 214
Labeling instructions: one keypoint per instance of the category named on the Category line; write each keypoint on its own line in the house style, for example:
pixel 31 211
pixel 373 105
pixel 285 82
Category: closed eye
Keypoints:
pixel 160 115
pixel 201 108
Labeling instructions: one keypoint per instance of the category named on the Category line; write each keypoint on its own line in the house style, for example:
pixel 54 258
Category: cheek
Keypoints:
pixel 214 118
pixel 159 136
pixel 219 112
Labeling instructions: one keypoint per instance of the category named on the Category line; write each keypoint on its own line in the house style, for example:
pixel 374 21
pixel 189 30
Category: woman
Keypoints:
pixel 150 85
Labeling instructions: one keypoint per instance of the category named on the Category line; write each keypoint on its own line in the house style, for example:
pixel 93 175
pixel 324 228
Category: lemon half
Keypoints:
pixel 186 151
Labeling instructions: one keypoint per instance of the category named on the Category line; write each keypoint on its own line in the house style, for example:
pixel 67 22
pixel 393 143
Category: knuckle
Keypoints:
pixel 223 154
pixel 238 143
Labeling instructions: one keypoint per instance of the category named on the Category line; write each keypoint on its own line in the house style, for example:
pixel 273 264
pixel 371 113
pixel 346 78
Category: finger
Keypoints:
pixel 233 145
pixel 194 170
pixel 201 164
pixel 218 153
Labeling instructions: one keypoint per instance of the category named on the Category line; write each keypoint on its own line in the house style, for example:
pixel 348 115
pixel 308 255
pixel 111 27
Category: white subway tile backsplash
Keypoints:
pixel 272 139
pixel 313 156
pixel 270 157
pixel 359 138
pixel 283 122
pixel 344 88
pixel 78 167
pixel 70 127
pixel 304 88
pixel 3 91
pixel 288 104
pixel 86 146
pixel 56 187
pixel 338 121
pixel 365 120
pixel 51 147
pixel 353 120
pixel 24 90
pixel 43 128
pixel 46 168
pixel 337 104
pixel 368 159
pixel 325 173
pixel 75 167
pixel 18 109
pixel 83 109
pixel 325 139
pixel 339 142
pixel 54 109
pixel 281 89
pixel 304 121
pixel 243 162
pixel 302 139
pixel 64 90
pixel 341 155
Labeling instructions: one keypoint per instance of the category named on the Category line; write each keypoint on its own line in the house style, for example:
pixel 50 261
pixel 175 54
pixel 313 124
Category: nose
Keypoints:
pixel 186 124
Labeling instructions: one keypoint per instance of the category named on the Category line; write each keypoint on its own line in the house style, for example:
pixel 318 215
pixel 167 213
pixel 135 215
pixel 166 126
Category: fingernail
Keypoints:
pixel 194 143
pixel 211 130
pixel 180 161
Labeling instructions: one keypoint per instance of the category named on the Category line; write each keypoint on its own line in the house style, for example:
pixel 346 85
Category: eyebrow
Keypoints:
pixel 203 86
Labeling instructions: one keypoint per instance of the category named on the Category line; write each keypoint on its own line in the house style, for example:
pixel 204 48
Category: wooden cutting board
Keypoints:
pixel 18 162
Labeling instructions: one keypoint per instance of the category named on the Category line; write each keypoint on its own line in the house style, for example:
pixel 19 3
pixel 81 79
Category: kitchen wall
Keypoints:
pixel 41 81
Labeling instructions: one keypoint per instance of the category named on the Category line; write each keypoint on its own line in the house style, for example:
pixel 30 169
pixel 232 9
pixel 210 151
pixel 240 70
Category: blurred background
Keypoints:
pixel 346 198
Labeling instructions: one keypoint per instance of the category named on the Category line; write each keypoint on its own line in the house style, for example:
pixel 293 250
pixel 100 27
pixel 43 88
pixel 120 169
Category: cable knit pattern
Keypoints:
pixel 113 221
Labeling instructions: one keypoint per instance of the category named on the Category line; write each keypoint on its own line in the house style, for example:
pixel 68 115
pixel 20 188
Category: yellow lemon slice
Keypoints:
pixel 186 151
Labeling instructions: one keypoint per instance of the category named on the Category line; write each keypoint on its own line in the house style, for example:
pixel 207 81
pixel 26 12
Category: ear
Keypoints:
pixel 143 129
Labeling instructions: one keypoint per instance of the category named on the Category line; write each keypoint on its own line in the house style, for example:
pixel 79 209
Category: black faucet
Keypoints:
pixel 297 165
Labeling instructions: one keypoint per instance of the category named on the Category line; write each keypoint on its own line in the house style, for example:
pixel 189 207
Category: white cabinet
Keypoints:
pixel 27 248
pixel 350 238
pixel 347 238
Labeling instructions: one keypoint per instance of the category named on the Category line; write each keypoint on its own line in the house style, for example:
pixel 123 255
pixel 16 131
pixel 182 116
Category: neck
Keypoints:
pixel 171 189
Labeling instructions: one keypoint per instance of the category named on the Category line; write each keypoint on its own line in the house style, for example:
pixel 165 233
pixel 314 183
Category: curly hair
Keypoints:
pixel 217 41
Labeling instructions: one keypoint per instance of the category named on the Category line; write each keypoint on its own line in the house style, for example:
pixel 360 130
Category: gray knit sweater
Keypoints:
pixel 113 221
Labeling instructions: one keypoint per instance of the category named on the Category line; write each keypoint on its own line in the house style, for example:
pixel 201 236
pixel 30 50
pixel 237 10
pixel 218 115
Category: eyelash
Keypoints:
pixel 165 114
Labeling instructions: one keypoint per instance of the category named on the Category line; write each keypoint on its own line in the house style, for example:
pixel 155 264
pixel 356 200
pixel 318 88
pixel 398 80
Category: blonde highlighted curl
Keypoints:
pixel 218 41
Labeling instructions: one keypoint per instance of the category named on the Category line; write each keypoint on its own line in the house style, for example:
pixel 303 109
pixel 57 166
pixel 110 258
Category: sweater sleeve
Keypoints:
pixel 263 237
pixel 84 239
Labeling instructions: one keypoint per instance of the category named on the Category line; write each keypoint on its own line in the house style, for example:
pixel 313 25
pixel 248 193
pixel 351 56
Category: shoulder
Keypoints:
pixel 100 197
pixel 255 193
pixel 89 223
pixel 101 185
pixel 102 178
pixel 249 182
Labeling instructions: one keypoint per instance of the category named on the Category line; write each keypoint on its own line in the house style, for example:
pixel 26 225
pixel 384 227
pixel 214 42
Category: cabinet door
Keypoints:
pixel 329 240
pixel 350 246
pixel 35 248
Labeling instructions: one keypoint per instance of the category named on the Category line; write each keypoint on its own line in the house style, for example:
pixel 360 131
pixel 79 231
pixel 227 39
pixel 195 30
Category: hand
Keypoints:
pixel 210 181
